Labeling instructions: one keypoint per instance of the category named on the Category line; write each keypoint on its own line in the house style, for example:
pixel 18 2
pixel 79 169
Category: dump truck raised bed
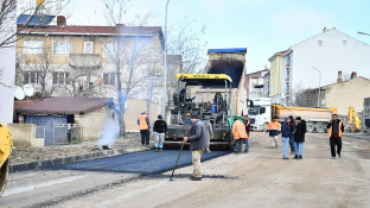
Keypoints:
pixel 263 111
pixel 220 94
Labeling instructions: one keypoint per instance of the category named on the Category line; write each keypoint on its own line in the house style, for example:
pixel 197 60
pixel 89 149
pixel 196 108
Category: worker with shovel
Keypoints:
pixel 198 142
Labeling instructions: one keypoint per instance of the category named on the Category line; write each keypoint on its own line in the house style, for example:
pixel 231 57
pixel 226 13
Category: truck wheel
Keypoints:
pixel 264 127
pixel 310 127
pixel 4 172
pixel 320 128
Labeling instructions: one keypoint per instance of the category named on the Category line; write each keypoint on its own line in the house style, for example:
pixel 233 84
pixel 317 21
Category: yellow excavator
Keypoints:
pixel 6 147
pixel 354 122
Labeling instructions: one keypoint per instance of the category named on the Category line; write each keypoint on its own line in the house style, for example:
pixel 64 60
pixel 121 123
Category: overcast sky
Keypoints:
pixel 262 26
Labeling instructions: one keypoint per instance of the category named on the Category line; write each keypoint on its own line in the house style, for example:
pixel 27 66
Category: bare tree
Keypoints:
pixel 183 39
pixel 37 69
pixel 129 57
pixel 305 97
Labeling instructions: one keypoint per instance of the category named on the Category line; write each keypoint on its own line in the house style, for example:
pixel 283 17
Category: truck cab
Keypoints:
pixel 260 114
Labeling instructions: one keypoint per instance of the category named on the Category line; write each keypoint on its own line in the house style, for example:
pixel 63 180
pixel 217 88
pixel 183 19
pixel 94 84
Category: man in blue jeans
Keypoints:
pixel 286 132
pixel 247 124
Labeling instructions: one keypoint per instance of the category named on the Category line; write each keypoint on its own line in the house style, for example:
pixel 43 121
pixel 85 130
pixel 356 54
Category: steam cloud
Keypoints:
pixel 109 134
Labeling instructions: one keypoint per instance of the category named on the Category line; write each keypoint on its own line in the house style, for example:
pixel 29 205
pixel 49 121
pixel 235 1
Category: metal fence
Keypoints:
pixel 67 134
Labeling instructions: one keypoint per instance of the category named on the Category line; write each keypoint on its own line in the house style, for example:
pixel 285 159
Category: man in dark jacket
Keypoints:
pixel 247 125
pixel 198 142
pixel 286 132
pixel 291 138
pixel 335 130
pixel 182 96
pixel 159 129
pixel 299 137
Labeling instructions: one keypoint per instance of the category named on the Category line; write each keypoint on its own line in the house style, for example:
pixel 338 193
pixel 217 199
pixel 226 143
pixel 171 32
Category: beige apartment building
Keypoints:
pixel 92 61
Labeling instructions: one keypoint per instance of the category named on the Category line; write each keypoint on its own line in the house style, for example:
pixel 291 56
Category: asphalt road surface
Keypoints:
pixel 257 179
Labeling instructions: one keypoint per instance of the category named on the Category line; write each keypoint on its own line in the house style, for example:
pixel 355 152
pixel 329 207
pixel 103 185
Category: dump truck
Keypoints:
pixel 219 93
pixel 263 111
pixel 6 148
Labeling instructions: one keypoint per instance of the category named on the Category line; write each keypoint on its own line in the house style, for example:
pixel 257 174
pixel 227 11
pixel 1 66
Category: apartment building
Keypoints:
pixel 318 59
pixel 92 61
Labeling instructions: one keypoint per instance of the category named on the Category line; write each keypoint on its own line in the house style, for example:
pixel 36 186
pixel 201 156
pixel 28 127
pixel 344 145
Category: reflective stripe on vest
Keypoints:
pixel 274 126
pixel 143 123
pixel 340 133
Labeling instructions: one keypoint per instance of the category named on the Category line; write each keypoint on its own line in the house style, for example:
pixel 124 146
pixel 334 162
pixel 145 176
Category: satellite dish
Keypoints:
pixel 18 93
pixel 28 90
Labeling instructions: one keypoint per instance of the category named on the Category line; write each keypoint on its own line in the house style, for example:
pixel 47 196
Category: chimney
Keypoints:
pixel 339 80
pixel 61 21
pixel 354 75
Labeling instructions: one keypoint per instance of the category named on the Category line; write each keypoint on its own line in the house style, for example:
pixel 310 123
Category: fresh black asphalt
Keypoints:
pixel 145 163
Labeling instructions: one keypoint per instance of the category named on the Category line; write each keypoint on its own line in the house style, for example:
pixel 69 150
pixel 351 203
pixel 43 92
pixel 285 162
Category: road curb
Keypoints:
pixel 42 164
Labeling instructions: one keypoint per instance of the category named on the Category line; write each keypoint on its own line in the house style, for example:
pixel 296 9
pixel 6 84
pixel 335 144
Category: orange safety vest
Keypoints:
pixel 274 126
pixel 340 133
pixel 239 131
pixel 143 123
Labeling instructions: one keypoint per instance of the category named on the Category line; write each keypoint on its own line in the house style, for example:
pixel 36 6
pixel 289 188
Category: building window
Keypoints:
pixel 62 47
pixel 344 42
pixel 255 80
pixel 112 49
pixel 61 78
pixel 32 78
pixel 287 88
pixel 88 47
pixel 110 78
pixel 320 42
pixel 33 47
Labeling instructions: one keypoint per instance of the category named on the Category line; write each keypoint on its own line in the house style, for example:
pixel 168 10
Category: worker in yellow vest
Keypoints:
pixel 144 123
pixel 335 132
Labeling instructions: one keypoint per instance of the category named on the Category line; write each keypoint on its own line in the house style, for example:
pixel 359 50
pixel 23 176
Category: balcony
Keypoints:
pixel 288 66
pixel 287 80
pixel 85 61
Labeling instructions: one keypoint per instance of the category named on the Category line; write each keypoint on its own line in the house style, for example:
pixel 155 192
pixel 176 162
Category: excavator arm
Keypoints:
pixel 6 147
pixel 354 119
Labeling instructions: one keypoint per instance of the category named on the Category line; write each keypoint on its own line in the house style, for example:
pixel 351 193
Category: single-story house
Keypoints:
pixel 61 114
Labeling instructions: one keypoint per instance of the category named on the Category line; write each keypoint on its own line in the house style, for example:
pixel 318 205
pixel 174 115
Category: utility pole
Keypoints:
pixel 318 100
pixel 165 66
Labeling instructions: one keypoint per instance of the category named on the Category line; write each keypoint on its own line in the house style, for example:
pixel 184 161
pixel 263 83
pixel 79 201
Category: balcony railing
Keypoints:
pixel 78 60
pixel 288 66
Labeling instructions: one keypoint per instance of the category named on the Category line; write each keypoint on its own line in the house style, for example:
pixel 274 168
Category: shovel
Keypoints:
pixel 182 147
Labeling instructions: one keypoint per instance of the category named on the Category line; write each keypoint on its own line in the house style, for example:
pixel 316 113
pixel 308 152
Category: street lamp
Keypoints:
pixel 318 100
pixel 362 33
pixel 165 65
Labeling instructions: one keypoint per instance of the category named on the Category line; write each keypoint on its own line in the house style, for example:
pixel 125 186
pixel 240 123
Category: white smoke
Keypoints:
pixel 109 134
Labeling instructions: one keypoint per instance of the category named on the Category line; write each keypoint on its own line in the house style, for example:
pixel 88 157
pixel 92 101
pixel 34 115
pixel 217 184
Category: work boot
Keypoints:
pixel 295 157
pixel 332 157
pixel 285 158
pixel 276 146
pixel 192 178
pixel 339 155
pixel 161 149
pixel 300 157
pixel 245 151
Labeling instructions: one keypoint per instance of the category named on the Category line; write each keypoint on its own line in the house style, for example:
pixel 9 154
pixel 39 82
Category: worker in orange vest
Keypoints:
pixel 240 134
pixel 274 129
pixel 335 132
pixel 144 123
